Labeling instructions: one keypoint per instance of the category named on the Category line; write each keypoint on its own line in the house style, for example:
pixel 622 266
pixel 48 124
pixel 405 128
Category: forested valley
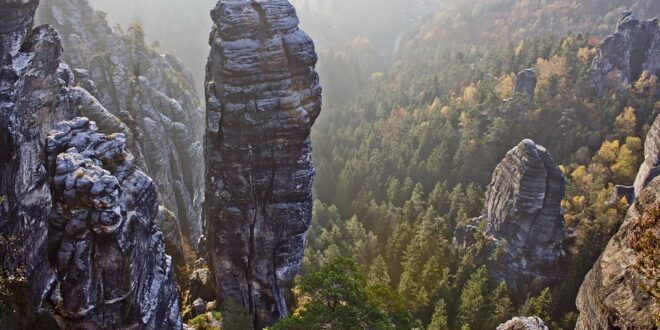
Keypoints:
pixel 330 164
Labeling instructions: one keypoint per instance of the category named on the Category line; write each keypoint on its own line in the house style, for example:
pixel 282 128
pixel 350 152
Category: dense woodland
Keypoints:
pixel 419 111
pixel 407 162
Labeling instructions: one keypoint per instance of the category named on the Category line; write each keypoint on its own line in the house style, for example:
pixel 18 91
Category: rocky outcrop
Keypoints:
pixel 651 166
pixel 31 101
pixel 151 93
pixel 525 218
pixel 263 97
pixel 525 82
pixel 623 56
pixel 77 220
pixel 622 289
pixel 523 323
pixel 17 17
pixel 110 263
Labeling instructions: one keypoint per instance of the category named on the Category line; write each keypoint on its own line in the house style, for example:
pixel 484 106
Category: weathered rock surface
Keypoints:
pixel 151 93
pixel 622 290
pixel 110 263
pixel 30 103
pixel 525 82
pixel 17 18
pixel 77 220
pixel 623 56
pixel 263 97
pixel 526 219
pixel 202 285
pixel 650 168
pixel 523 323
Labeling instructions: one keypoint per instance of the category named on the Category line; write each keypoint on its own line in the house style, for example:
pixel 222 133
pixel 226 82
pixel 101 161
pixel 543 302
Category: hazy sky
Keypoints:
pixel 362 33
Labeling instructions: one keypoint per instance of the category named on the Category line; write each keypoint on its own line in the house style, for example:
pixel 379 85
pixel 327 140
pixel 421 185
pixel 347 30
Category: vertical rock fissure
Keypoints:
pixel 529 239
pixel 253 224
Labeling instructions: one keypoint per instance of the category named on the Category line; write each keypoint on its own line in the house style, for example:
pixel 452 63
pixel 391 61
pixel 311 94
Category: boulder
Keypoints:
pixel 525 82
pixel 523 323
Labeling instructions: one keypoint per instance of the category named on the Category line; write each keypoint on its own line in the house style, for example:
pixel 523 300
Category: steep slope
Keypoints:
pixel 622 290
pixel 80 248
pixel 263 97
pixel 152 93
pixel 16 23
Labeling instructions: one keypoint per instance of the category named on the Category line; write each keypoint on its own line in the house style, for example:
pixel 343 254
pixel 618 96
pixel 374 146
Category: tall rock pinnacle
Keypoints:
pixel 263 97
pixel 525 217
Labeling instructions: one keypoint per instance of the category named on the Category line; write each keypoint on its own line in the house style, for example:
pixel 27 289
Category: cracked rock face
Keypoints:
pixel 263 97
pixel 76 217
pixel 525 217
pixel 621 291
pixel 523 323
pixel 623 56
pixel 152 94
pixel 651 166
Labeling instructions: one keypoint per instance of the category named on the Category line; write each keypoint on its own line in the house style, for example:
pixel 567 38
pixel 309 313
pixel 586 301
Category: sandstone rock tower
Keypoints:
pixel 525 217
pixel 263 97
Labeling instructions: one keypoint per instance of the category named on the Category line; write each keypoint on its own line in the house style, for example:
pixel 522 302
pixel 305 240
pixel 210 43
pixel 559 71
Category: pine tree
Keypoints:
pixel 501 306
pixel 378 273
pixel 473 307
pixel 439 321
pixel 541 306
